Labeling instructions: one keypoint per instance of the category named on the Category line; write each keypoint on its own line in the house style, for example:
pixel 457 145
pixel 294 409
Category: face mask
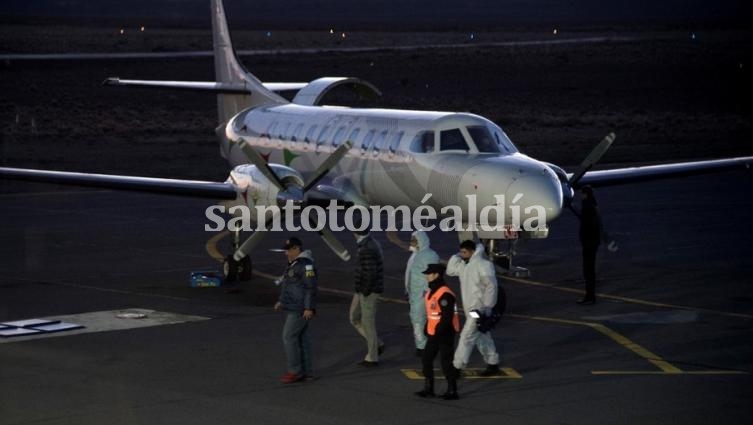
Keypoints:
pixel 412 248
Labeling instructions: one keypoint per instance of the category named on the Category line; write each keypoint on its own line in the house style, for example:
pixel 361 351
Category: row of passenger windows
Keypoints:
pixel 449 140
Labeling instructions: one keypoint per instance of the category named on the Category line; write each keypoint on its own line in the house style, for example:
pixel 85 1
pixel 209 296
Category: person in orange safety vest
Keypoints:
pixel 442 324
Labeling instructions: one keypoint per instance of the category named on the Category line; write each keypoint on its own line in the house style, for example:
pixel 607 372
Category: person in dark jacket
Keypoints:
pixel 298 302
pixel 442 324
pixel 590 239
pixel 368 287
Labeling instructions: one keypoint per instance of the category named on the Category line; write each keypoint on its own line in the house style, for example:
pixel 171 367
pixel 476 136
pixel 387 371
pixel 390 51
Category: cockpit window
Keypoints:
pixel 452 140
pixel 423 142
pixel 504 142
pixel 483 139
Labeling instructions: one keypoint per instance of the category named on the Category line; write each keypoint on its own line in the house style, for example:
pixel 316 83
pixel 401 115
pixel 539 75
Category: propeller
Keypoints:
pixel 592 159
pixel 585 166
pixel 251 242
pixel 292 191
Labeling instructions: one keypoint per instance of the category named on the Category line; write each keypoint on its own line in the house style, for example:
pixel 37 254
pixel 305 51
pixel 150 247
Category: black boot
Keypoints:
pixel 428 391
pixel 452 389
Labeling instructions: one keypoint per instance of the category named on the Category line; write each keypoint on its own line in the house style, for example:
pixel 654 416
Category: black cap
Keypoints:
pixel 291 242
pixel 434 268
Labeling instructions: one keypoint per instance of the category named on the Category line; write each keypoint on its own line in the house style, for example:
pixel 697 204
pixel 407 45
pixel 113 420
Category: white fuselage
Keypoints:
pixel 399 156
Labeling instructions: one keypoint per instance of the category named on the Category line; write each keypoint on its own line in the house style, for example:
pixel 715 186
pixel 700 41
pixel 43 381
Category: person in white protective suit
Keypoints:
pixel 416 286
pixel 478 290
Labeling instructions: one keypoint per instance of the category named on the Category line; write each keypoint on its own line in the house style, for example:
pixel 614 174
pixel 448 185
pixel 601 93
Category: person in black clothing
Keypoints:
pixel 590 238
pixel 369 285
pixel 442 324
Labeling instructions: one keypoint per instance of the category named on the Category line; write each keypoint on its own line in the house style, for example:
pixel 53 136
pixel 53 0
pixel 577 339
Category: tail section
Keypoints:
pixel 228 70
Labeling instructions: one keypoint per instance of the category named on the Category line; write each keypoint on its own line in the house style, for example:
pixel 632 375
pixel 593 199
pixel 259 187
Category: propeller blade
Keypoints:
pixel 248 245
pixel 592 158
pixel 327 165
pixel 252 241
pixel 261 164
pixel 334 244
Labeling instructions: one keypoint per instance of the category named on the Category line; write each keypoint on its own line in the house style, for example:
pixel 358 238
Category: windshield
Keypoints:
pixel 503 141
pixel 452 140
pixel 483 139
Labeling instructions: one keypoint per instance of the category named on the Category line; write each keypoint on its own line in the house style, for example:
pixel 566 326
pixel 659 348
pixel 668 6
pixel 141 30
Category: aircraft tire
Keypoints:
pixel 244 269
pixel 230 269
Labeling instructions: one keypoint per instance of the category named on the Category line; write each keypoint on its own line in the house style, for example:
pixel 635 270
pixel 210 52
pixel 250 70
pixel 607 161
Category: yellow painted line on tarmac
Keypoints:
pixel 658 372
pixel 665 367
pixel 620 339
pixel 469 373
pixel 211 246
pixel 627 299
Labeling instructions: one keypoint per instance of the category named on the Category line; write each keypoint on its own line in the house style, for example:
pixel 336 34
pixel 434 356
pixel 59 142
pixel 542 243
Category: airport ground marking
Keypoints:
pixel 111 320
pixel 665 367
pixel 211 246
pixel 627 299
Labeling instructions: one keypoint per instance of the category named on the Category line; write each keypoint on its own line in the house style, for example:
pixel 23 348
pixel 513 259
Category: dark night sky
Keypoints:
pixel 425 12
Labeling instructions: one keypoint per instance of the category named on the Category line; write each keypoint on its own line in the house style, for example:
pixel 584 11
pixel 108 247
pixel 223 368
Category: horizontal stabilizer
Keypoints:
pixel 190 188
pixel 212 86
pixel 655 172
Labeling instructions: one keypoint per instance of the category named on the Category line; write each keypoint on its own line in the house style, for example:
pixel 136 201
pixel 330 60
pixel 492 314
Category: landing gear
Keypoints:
pixel 503 259
pixel 233 270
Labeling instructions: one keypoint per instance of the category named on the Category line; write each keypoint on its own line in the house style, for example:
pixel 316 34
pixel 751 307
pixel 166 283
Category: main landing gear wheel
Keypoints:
pixel 233 270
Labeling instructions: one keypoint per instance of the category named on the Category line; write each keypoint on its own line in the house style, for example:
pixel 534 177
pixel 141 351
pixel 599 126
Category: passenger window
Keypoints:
pixel 322 136
pixel 452 140
pixel 310 134
pixel 354 135
pixel 270 130
pixel 423 142
pixel 395 143
pixel 283 131
pixel 366 144
pixel 483 139
pixel 379 144
pixel 296 133
pixel 339 137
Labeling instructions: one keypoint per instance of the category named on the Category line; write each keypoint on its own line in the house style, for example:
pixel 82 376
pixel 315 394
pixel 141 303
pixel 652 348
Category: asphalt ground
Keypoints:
pixel 669 340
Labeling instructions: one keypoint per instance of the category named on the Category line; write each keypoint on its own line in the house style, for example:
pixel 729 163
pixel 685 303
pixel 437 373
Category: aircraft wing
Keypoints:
pixel 190 188
pixel 212 86
pixel 655 172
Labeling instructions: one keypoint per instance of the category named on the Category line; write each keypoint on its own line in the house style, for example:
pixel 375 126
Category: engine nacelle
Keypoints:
pixel 255 189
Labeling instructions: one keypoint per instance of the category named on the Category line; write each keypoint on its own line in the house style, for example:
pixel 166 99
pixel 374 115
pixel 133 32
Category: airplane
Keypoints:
pixel 307 153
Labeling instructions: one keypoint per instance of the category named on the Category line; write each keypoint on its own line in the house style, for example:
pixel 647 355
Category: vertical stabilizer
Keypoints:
pixel 228 69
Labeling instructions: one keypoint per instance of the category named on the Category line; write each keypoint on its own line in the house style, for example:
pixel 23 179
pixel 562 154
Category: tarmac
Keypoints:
pixel 670 339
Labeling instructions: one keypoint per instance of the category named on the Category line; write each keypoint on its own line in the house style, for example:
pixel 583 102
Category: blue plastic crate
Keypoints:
pixel 205 279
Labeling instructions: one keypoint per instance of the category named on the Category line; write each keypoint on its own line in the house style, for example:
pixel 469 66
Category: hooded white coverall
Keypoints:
pixel 478 290
pixel 416 286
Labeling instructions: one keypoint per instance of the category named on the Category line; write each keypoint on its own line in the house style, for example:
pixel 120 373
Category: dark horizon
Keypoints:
pixel 424 14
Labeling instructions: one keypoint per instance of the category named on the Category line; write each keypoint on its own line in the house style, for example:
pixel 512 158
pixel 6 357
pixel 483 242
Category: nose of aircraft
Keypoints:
pixel 534 191
pixel 526 184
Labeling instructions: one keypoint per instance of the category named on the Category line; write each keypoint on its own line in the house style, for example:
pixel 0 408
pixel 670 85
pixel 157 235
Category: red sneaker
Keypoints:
pixel 290 378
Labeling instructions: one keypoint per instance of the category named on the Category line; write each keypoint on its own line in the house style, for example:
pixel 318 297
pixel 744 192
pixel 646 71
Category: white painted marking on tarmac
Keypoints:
pixel 106 321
